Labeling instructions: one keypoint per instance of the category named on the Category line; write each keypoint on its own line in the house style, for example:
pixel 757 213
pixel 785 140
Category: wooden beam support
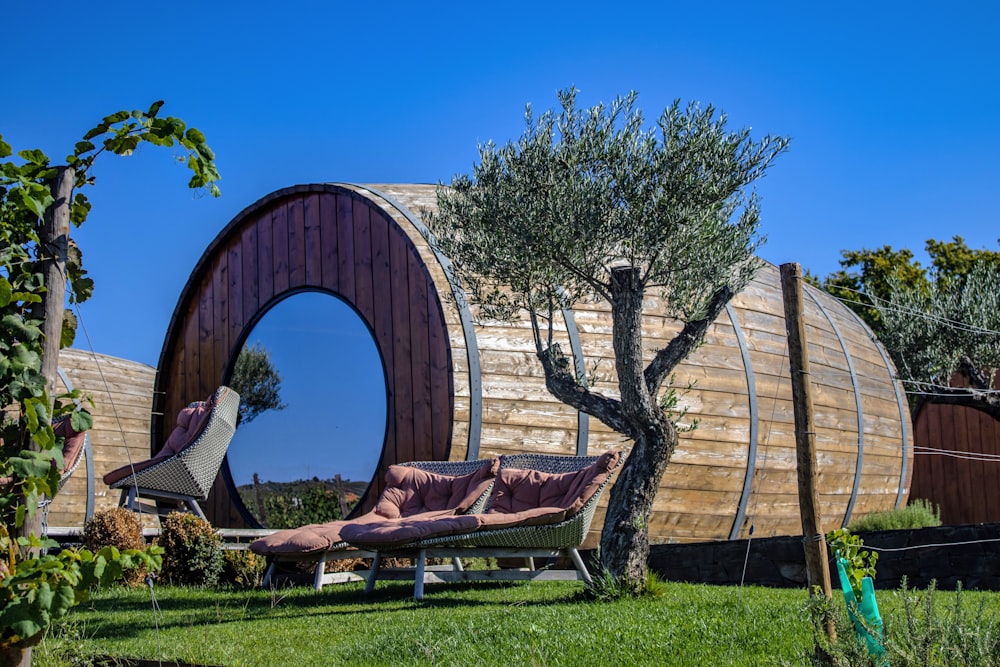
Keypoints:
pixel 817 567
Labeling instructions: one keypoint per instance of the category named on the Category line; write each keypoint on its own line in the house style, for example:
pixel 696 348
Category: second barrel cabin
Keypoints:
pixel 461 388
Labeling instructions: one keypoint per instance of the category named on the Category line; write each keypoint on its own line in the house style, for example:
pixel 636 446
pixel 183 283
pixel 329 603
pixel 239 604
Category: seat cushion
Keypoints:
pixel 536 516
pixel 309 539
pixel 411 491
pixel 398 532
pixel 521 489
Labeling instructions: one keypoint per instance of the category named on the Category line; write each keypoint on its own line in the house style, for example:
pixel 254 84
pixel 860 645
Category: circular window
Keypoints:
pixel 313 412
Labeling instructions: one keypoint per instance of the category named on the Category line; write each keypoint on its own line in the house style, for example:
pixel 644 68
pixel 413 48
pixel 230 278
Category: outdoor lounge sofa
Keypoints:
pixel 431 490
pixel 539 506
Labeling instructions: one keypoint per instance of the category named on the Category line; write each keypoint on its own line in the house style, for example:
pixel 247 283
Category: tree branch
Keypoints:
pixel 973 373
pixel 684 342
pixel 977 399
pixel 565 387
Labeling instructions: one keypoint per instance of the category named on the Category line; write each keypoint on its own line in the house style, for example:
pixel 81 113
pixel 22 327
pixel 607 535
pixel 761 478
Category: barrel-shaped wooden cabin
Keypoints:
pixel 461 388
pixel 121 395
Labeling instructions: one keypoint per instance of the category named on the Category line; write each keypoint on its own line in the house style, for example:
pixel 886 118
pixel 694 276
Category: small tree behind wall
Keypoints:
pixel 592 203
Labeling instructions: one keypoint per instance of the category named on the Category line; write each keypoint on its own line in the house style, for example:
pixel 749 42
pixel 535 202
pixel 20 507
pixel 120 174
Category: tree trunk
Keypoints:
pixel 625 538
pixel 55 247
pixel 15 657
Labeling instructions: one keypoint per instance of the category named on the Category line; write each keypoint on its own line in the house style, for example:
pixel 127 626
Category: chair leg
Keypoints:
pixel 457 564
pixel 580 567
pixel 194 507
pixel 127 499
pixel 320 571
pixel 266 583
pixel 373 575
pixel 418 575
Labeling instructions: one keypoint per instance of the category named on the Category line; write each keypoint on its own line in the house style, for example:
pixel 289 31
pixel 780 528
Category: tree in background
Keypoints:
pixel 592 204
pixel 257 381
pixel 937 323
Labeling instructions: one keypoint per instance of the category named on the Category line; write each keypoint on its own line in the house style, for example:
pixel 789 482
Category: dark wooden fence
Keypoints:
pixel 961 483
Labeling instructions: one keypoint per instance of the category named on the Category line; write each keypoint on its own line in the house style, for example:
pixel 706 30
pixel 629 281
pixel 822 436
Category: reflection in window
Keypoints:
pixel 314 424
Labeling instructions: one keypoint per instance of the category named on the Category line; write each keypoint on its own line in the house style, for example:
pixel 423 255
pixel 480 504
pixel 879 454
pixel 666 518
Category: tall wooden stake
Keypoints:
pixel 817 568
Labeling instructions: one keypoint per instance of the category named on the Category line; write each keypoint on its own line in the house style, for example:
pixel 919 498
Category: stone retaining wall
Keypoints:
pixel 947 554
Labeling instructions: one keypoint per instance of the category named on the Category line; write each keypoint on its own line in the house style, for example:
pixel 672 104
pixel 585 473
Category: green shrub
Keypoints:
pixel 243 568
pixel 119 528
pixel 918 514
pixel 192 550
pixel 919 634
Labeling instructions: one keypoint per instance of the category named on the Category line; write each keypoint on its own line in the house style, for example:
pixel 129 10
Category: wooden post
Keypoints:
pixel 55 249
pixel 817 567
pixel 340 496
pixel 258 501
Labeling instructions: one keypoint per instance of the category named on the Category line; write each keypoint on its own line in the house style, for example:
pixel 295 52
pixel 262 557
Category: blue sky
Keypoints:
pixel 891 107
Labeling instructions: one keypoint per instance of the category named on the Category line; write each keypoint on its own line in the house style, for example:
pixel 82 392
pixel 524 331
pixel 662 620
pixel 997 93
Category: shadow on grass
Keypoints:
pixel 121 617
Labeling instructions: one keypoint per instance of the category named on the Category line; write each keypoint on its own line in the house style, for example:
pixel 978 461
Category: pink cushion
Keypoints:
pixel 72 445
pixel 307 539
pixel 191 421
pixel 518 489
pixel 536 516
pixel 409 492
pixel 397 532
pixel 412 491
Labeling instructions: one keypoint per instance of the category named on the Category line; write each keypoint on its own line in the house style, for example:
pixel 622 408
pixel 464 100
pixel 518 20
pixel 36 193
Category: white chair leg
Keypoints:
pixel 195 508
pixel 266 583
pixel 580 567
pixel 456 563
pixel 418 575
pixel 373 575
pixel 320 571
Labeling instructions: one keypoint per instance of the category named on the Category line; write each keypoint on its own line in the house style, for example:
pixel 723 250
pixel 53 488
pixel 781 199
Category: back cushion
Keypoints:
pixel 519 489
pixel 412 491
pixel 191 422
pixel 73 443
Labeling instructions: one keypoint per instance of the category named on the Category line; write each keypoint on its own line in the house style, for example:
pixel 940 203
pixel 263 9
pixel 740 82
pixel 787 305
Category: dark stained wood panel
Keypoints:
pixel 295 218
pixel 961 482
pixel 329 260
pixel 329 239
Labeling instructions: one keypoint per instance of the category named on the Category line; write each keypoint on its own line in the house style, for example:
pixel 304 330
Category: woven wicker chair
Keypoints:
pixel 526 541
pixel 184 478
pixel 76 448
pixel 341 550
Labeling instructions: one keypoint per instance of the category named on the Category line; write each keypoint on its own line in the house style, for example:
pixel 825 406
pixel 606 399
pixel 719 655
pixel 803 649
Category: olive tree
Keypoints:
pixel 951 329
pixel 595 204
pixel 938 323
pixel 257 381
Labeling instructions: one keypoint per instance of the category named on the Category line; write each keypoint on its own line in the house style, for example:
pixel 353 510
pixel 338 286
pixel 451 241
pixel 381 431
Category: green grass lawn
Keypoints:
pixel 544 623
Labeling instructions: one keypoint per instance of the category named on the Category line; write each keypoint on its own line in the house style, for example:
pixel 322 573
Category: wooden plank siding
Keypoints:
pixel 122 392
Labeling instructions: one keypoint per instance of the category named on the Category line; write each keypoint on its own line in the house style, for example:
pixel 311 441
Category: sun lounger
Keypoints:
pixel 540 506
pixel 433 490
